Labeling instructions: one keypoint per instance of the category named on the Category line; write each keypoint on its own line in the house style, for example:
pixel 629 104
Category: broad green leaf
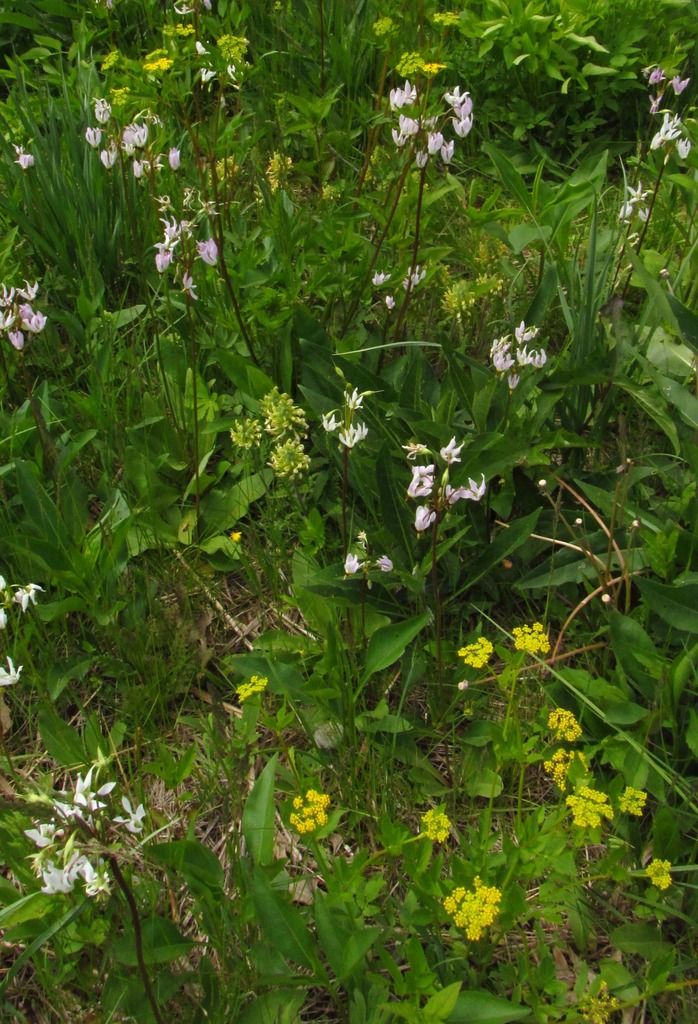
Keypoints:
pixel 440 1005
pixel 281 1007
pixel 649 401
pixel 675 603
pixel 61 742
pixel 198 865
pixel 389 643
pixel 643 939
pixel 281 924
pixel 258 816
pixel 479 1007
pixel 503 544
pixel 485 783
pixel 162 942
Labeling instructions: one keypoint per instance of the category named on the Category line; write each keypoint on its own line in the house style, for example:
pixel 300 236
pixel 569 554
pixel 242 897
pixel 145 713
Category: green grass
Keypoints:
pixel 170 475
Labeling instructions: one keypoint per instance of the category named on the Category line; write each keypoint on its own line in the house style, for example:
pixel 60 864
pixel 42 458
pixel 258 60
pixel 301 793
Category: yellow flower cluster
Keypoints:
pixel 658 872
pixel 589 807
pixel 531 639
pixel 256 684
pixel 412 63
pixel 436 826
pixel 473 910
pixel 233 48
pixel 310 812
pixel 632 801
pixel 119 97
pixel 278 170
pixel 289 459
pixel 564 725
pixel 558 767
pixel 446 18
pixel 599 1008
pixel 281 414
pixel 383 27
pixel 246 433
pixel 157 61
pixel 111 60
pixel 184 30
pixel 478 653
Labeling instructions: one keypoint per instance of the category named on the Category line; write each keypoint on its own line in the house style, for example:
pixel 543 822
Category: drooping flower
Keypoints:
pixel 422 482
pixel 352 564
pixel 384 564
pixel 678 84
pixel 10 675
pixel 424 517
pixel 93 136
pixel 451 453
pixel 25 160
pixel 134 817
pixel 24 595
pixel 102 111
pixel 173 158
pixel 208 251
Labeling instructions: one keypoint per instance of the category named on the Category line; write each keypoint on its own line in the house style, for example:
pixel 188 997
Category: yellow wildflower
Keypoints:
pixel 119 97
pixel 658 872
pixel 531 639
pixel 256 684
pixel 477 654
pixel 598 1009
pixel 383 27
pixel 157 61
pixel 235 536
pixel 289 459
pixel 281 414
pixel 184 30
pixel 564 725
pixel 410 64
pixel 246 433
pixel 436 826
pixel 110 60
pixel 589 807
pixel 558 767
pixel 310 812
pixel 431 68
pixel 446 18
pixel 632 801
pixel 473 910
pixel 278 170
pixel 233 48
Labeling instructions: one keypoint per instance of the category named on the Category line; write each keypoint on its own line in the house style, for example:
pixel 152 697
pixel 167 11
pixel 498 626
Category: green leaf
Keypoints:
pixel 62 742
pixel 442 1003
pixel 281 923
pixel 162 942
pixel 479 1007
pixel 486 783
pixel 390 642
pixel 675 603
pixel 640 938
pixel 503 544
pixel 281 1007
pixel 198 865
pixel 691 736
pixel 258 816
pixel 648 399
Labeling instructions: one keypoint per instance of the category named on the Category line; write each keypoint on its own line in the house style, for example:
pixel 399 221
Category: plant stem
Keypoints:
pixel 415 254
pixel 138 936
pixel 321 9
pixel 438 611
